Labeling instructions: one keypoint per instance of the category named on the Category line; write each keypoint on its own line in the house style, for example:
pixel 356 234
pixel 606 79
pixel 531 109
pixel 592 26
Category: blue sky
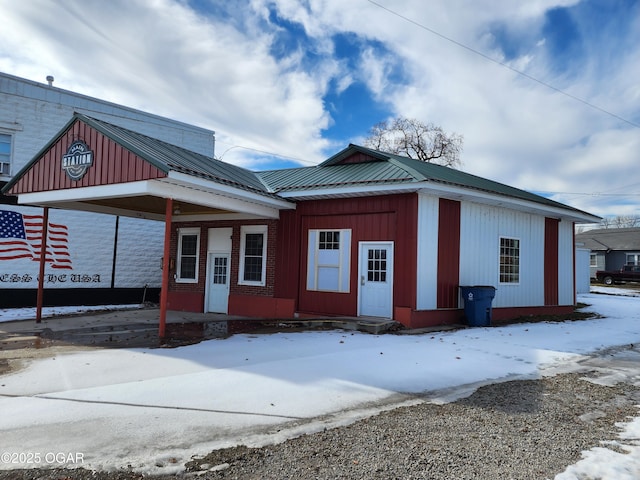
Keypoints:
pixel 302 79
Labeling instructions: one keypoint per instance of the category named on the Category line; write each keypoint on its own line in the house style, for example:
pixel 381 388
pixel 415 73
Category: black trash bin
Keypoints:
pixel 477 304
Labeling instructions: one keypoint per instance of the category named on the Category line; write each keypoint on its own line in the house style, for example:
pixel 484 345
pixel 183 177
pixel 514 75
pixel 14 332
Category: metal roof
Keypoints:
pixel 296 179
pixel 624 239
pixel 355 166
pixel 162 155
pixel 385 168
pixel 168 157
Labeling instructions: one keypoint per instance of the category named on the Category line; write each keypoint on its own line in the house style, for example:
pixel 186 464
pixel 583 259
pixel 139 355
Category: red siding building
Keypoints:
pixel 365 233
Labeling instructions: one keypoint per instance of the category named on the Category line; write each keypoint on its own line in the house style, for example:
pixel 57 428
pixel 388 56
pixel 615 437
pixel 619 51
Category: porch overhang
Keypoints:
pixel 193 198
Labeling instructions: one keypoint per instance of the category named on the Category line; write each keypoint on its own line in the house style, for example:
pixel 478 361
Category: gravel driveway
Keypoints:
pixel 531 429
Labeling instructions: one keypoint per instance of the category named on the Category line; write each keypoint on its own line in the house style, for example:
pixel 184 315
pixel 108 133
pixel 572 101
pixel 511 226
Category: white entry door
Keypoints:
pixel 218 279
pixel 376 279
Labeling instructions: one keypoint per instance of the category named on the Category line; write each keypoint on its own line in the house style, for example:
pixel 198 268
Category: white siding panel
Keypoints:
pixel 583 276
pixel 481 227
pixel 565 263
pixel 427 252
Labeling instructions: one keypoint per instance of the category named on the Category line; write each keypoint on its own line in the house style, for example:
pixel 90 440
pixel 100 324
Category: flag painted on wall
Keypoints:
pixel 21 237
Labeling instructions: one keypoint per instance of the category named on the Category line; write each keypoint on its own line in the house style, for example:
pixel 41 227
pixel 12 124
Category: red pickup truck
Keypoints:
pixel 628 273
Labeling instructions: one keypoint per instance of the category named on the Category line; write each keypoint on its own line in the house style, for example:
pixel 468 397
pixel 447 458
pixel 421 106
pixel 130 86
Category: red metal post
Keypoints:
pixel 164 291
pixel 43 258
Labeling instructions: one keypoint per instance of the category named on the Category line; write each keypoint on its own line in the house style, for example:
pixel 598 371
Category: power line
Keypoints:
pixel 595 194
pixel 502 64
pixel 297 159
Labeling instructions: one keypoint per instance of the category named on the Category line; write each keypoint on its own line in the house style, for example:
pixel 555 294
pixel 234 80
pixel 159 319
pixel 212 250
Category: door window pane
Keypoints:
pixel 220 270
pixel 377 265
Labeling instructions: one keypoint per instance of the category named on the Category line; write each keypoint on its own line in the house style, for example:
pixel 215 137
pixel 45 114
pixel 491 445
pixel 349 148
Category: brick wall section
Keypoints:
pixel 235 289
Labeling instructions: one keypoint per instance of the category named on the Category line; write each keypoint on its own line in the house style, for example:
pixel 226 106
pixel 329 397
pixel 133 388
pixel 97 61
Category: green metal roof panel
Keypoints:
pixel 438 173
pixel 169 157
pixel 334 176
pixel 396 169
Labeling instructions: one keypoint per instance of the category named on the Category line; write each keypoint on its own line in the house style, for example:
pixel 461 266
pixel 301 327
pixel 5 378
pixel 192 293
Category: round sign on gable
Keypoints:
pixel 77 160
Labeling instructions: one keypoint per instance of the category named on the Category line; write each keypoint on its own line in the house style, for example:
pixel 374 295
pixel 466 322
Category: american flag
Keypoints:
pixel 21 237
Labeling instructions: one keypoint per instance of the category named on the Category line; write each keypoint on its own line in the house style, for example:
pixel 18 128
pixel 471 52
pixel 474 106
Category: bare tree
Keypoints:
pixel 621 221
pixel 414 139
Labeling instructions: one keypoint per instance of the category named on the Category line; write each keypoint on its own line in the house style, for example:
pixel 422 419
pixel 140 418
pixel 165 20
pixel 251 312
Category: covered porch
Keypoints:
pixel 94 166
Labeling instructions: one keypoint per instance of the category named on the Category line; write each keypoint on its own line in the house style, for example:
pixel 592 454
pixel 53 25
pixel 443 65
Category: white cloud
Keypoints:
pixel 220 72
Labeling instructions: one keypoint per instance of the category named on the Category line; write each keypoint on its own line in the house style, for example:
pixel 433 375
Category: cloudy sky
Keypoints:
pixel 545 92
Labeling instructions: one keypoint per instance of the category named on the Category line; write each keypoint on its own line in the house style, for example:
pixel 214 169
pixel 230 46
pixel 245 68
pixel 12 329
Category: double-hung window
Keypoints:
pixel 253 255
pixel 5 154
pixel 329 257
pixel 188 255
pixel 509 260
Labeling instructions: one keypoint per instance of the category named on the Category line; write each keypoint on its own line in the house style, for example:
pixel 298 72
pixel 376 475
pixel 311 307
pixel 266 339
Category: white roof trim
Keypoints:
pixel 447 191
pixel 190 181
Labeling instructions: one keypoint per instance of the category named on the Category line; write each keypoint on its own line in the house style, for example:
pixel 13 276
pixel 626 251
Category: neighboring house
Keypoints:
pixel 365 233
pixel 99 258
pixel 611 248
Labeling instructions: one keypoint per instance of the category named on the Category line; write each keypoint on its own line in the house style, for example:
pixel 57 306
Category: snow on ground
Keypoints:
pixel 155 408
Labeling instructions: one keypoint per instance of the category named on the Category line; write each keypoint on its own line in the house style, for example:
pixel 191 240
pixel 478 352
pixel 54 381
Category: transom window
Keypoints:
pixel 509 260
pixel 329 241
pixel 188 255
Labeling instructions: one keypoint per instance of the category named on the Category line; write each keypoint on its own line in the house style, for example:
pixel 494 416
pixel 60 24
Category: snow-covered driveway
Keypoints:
pixel 155 408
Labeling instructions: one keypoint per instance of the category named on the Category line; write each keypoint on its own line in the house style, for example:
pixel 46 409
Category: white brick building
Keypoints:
pixel 108 259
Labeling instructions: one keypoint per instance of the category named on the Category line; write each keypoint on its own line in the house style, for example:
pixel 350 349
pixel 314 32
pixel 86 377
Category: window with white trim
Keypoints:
pixel 329 259
pixel 188 255
pixel 593 260
pixel 253 255
pixel 5 154
pixel 509 260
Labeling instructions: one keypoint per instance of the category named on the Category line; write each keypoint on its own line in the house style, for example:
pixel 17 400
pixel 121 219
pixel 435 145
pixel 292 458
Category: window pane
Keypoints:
pixel 189 244
pixel 253 269
pixel 377 265
pixel 509 260
pixel 253 244
pixel 188 267
pixel 220 270
pixel 5 144
pixel 329 240
pixel 5 154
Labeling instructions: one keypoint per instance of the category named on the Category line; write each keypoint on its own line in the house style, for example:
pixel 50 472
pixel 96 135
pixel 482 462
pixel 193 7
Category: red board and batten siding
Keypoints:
pixel 381 218
pixel 112 164
pixel 448 253
pixel 551 232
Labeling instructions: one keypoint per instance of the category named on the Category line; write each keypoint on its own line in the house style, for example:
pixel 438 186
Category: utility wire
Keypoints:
pixel 502 64
pixel 279 155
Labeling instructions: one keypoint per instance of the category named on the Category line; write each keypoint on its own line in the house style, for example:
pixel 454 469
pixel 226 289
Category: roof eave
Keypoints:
pixel 452 192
